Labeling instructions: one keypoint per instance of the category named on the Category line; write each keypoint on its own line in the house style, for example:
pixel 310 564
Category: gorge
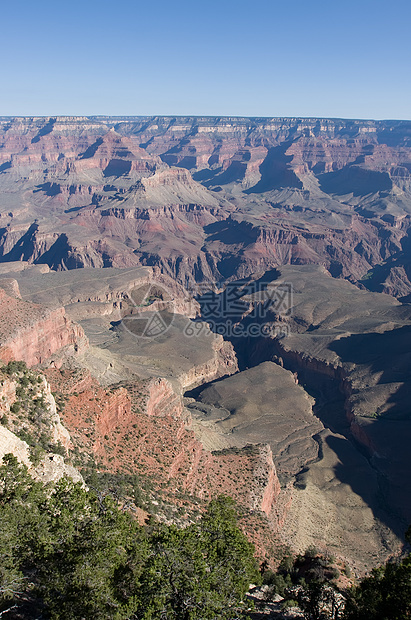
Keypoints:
pixel 109 221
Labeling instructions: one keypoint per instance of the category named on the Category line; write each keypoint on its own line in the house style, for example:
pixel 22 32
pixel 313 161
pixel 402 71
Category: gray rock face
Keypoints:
pixel 10 443
pixel 50 469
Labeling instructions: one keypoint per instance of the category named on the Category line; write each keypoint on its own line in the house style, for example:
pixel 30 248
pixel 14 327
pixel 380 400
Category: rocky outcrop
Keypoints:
pixel 29 414
pixel 11 444
pixel 266 490
pixel 7 393
pixel 59 434
pixel 51 467
pixel 162 400
pixel 224 362
pixel 114 408
pixel 10 286
pixel 28 389
pixel 33 333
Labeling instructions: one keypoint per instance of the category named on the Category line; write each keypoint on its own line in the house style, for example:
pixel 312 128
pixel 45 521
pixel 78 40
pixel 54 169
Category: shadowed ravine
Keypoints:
pixel 329 466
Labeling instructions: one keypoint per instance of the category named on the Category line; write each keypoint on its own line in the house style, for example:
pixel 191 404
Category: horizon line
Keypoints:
pixel 199 116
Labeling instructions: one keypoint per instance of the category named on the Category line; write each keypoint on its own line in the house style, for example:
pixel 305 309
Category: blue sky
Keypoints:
pixel 350 59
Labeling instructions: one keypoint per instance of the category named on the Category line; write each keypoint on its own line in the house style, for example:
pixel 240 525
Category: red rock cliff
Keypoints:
pixel 33 333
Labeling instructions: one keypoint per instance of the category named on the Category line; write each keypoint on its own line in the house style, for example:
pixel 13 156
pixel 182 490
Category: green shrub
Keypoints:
pixel 15 407
pixel 26 436
pixel 36 454
pixel 311 552
pixel 14 367
pixel 57 448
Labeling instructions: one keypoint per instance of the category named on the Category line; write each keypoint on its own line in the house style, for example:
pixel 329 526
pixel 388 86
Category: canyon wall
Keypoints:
pixel 33 333
pixel 209 199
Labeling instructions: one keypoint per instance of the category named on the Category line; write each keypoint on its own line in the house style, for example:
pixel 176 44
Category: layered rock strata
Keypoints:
pixel 33 333
pixel 206 199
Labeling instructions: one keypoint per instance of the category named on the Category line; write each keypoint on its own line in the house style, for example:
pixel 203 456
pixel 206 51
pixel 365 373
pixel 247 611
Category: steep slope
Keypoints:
pixel 34 333
pixel 30 427
pixel 143 430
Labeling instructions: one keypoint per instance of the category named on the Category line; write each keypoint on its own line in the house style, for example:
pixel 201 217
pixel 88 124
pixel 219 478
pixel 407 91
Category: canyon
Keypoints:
pixel 209 199
pixel 117 238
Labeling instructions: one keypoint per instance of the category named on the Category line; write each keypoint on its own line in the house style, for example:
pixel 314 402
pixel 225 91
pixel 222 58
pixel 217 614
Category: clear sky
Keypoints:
pixel 320 58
